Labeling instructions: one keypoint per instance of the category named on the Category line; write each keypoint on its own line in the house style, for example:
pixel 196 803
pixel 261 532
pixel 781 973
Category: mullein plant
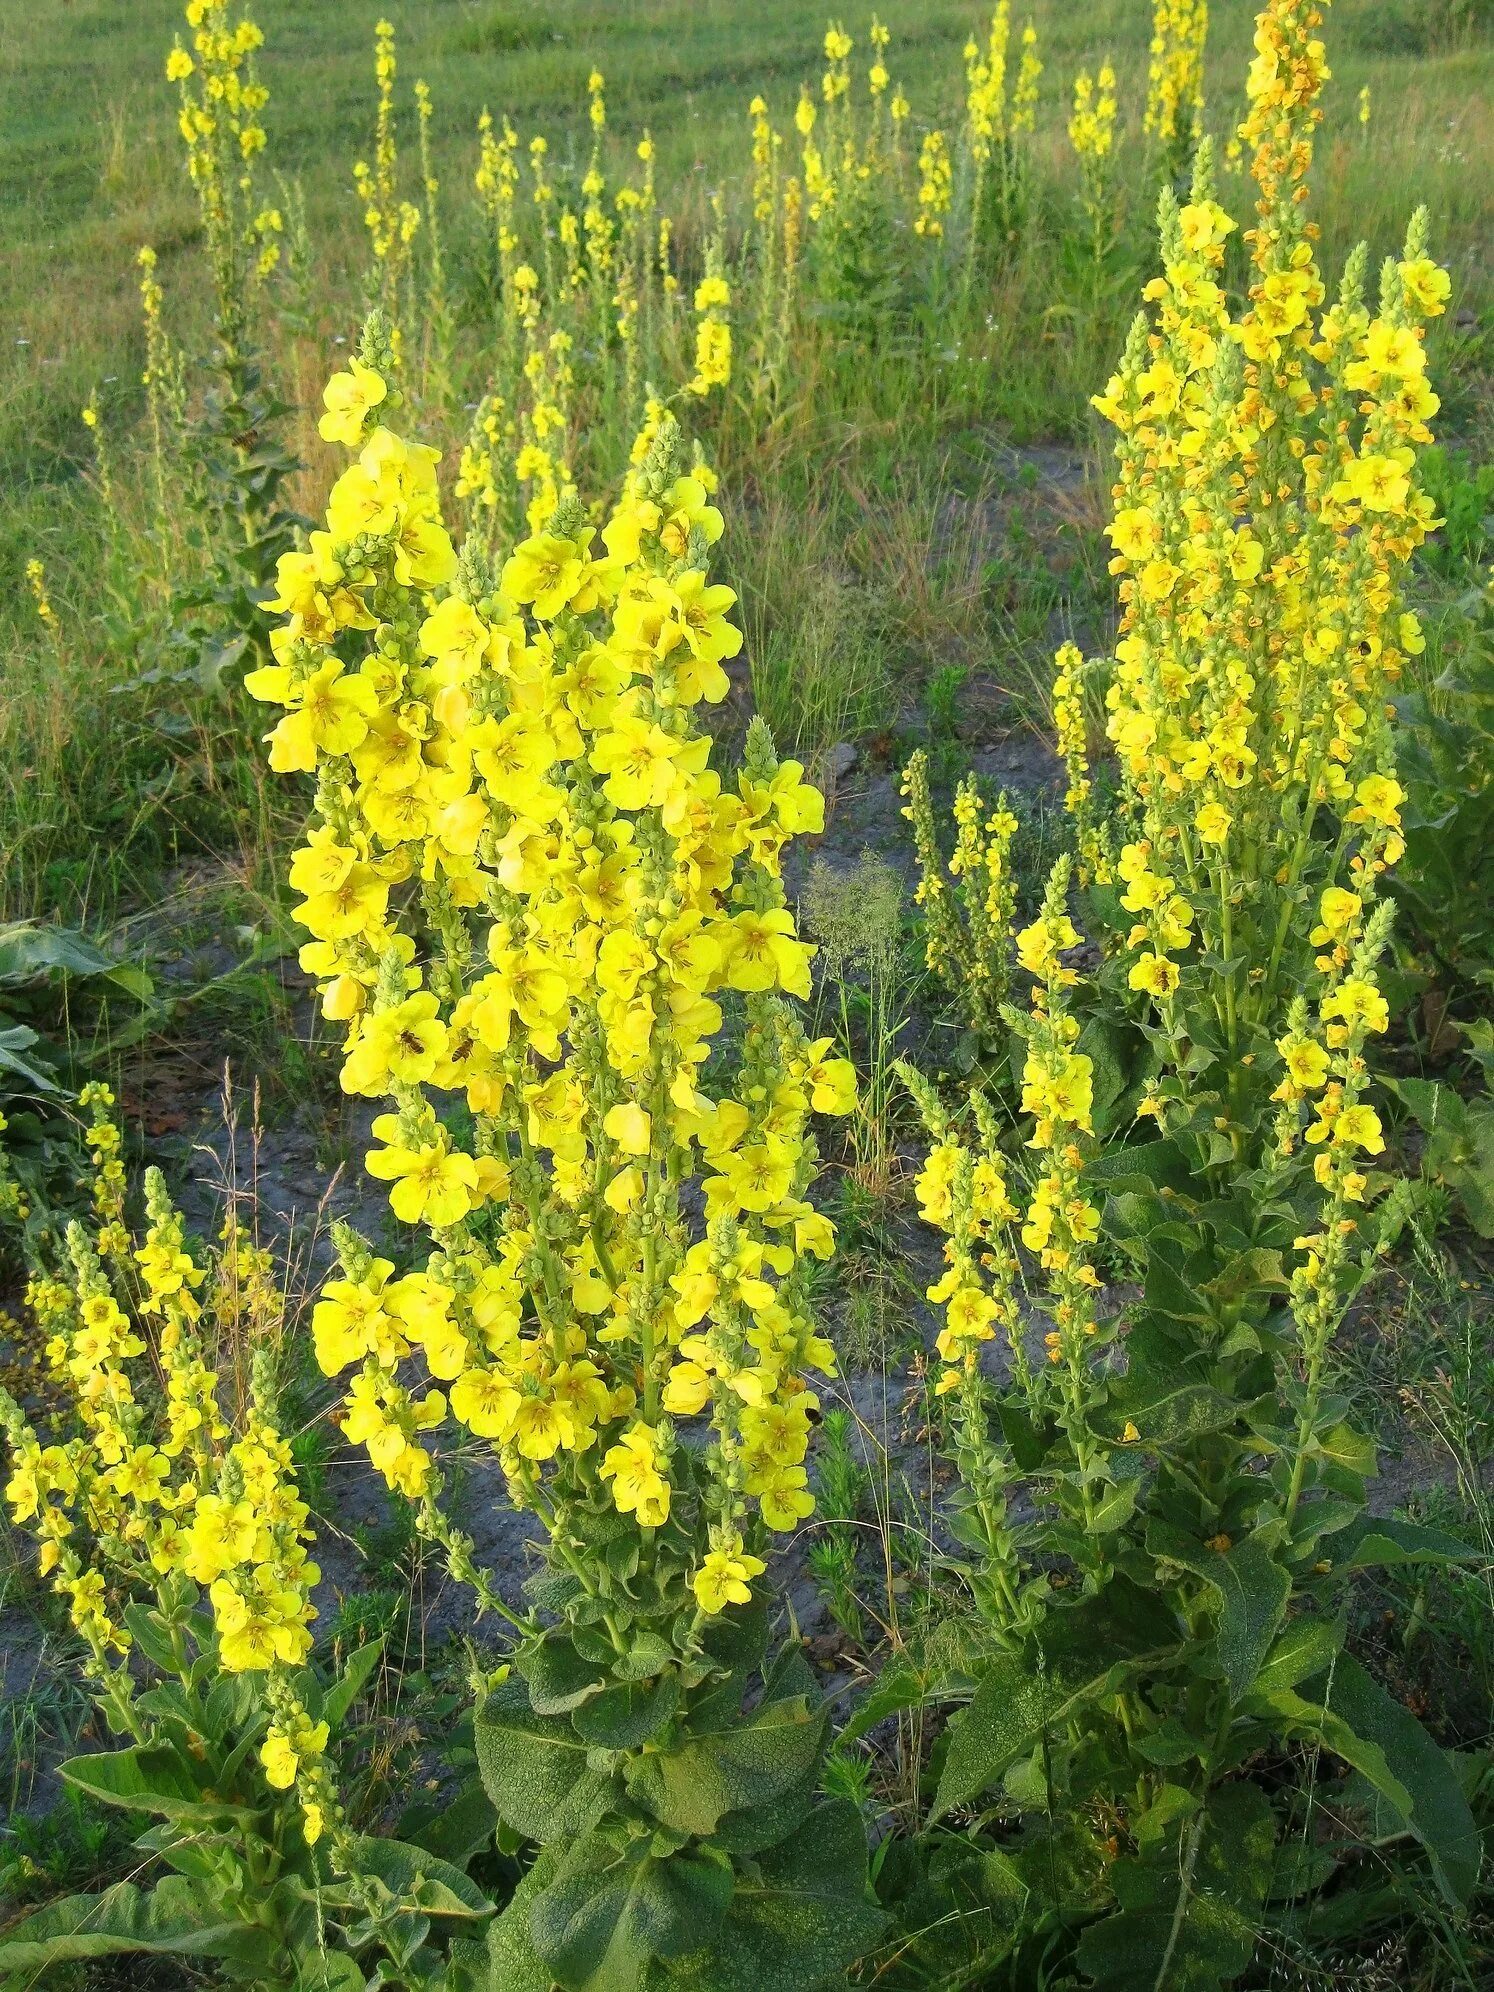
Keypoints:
pixel 1178 1594
pixel 168 1524
pixel 1092 135
pixel 968 901
pixel 1000 114
pixel 238 469
pixel 1175 81
pixel 587 321
pixel 392 222
pixel 533 903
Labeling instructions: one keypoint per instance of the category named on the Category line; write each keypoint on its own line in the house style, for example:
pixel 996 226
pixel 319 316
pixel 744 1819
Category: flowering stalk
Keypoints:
pixel 530 894
pixel 1174 82
pixel 391 222
pixel 1092 135
pixel 175 1535
pixel 1199 1491
pixel 969 908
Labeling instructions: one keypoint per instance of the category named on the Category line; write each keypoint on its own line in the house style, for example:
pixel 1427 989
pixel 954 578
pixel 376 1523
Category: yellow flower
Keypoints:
pixel 350 397
pixel 725 1577
pixel 279 1759
pixel 1338 911
pixel 765 953
pixel 486 1403
pixel 1359 1127
pixel 1156 974
pixel 638 1487
pixel 1306 1063
pixel 783 1495
pixel 630 1127
pixel 330 712
pixel 432 1182
pixel 1357 1001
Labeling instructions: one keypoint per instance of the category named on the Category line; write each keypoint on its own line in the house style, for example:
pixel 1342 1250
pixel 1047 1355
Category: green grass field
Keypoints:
pixel 91 162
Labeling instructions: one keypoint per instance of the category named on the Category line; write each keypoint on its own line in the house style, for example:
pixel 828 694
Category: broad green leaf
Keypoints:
pixel 151 1636
pixel 1187 1919
pixel 797 1925
pixel 15 1040
pixel 1143 1166
pixel 746 1761
pixel 329 1971
pixel 28 951
pixel 176 1917
pixel 1114 1508
pixel 559 1678
pixel 1303 1647
pixel 345 1690
pixel 536 1767
pixel 1344 1446
pixel 456 1826
pixel 420 1879
pixel 606 1916
pixel 514 1965
pixel 946 1669
pixel 1374 1542
pixel 1082 1650
pixel 648 1655
pixel 152 1778
pixel 1253 1591
pixel 1424 1787
pixel 1168 1292
pixel 626 1715
pixel 1257 1270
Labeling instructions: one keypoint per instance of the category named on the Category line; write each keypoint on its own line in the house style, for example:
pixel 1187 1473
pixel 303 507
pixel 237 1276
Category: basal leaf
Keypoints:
pixel 1080 1650
pixel 177 1917
pixel 798 1924
pixel 535 1767
pixel 1425 1789
pixel 607 1915
pixel 1186 1920
pixel 146 1778
pixel 1378 1541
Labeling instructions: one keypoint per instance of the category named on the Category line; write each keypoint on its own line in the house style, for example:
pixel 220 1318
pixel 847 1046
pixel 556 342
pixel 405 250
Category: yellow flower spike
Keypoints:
pixel 597 897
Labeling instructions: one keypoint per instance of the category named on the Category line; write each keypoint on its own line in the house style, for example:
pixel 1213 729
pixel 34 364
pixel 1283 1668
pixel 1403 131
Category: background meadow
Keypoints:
pixel 915 486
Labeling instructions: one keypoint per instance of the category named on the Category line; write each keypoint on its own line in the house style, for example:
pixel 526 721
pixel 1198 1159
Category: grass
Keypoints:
pixel 865 566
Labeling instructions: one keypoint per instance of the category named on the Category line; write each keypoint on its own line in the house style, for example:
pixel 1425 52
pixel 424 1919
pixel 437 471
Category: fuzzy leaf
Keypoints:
pixel 344 1691
pixel 559 1678
pixel 536 1768
pixel 1369 1729
pixel 748 1761
pixel 514 1965
pixel 1253 1591
pixel 1082 1649
pixel 420 1878
pixel 147 1778
pixel 1375 1542
pixel 1303 1647
pixel 1182 1927
pixel 627 1714
pixel 605 1916
pixel 797 1924
pixel 171 1919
